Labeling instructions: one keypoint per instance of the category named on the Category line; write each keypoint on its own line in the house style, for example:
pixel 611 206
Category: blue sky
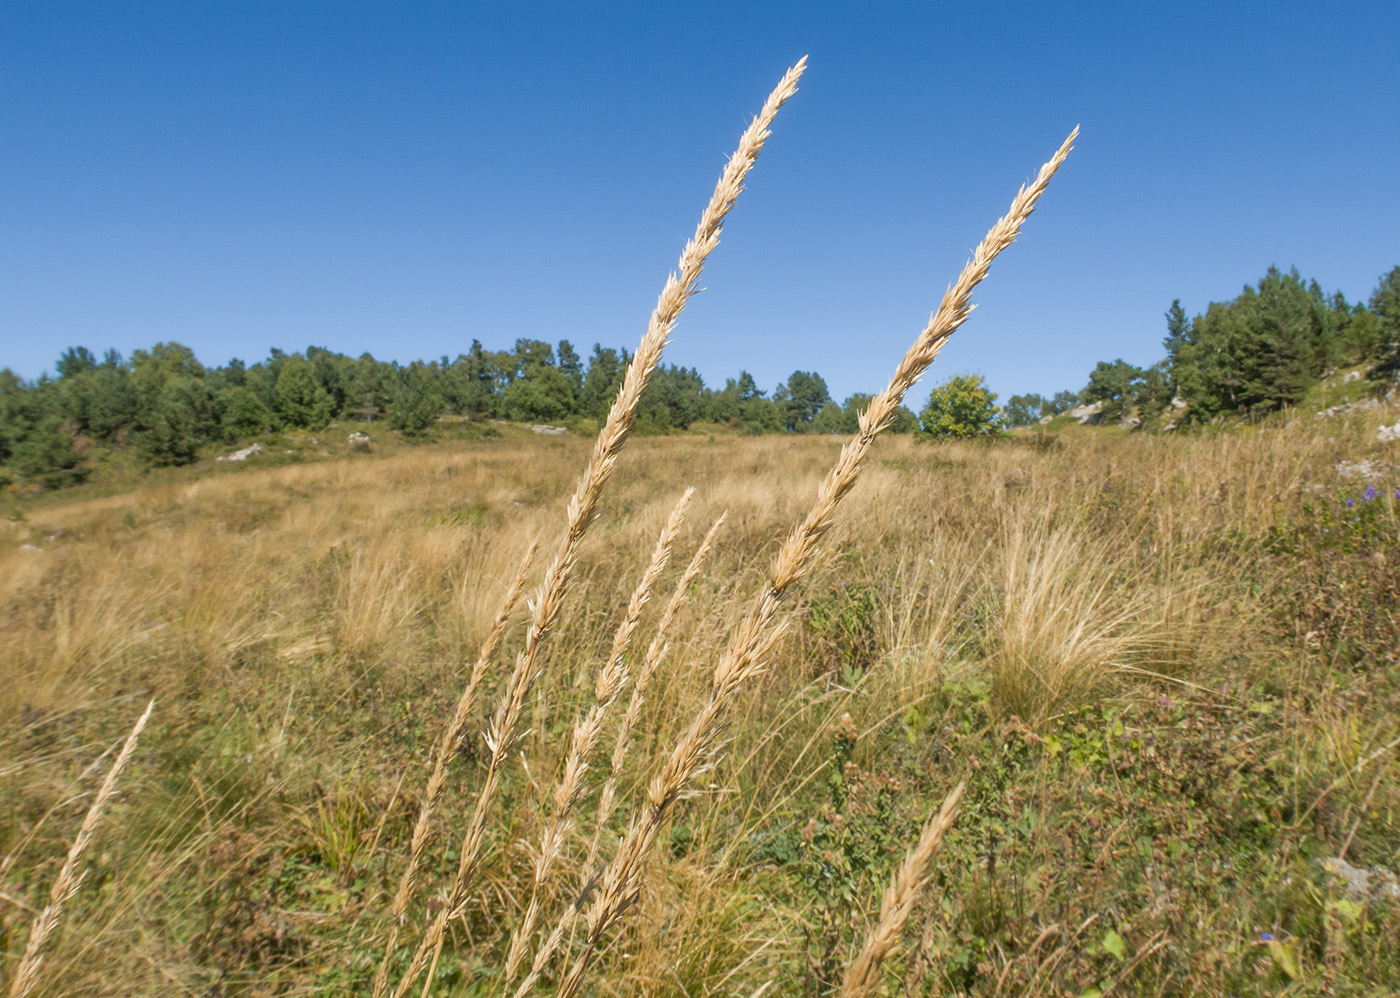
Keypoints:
pixel 403 178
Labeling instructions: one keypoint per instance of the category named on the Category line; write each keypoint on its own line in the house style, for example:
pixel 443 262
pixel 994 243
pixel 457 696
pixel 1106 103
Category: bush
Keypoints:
pixel 47 456
pixel 963 406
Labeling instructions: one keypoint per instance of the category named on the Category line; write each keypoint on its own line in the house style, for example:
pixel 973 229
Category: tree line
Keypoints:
pixel 165 405
pixel 1252 355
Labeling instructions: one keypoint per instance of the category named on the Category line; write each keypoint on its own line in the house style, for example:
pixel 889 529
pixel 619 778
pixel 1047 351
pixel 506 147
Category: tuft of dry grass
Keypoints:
pixel 447 746
pixel 1068 629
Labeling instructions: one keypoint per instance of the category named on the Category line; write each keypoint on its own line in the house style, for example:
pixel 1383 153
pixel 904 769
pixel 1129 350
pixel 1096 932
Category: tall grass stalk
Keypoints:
pixel 445 749
pixel 743 659
pixel 863 974
pixel 71 874
pixel 656 651
pixel 612 678
pixel 548 599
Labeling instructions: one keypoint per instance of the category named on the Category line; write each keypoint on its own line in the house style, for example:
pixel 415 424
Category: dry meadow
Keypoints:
pixel 1164 667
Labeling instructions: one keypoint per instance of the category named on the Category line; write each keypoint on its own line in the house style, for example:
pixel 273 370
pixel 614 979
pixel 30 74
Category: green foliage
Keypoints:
pixel 416 404
pixel 1024 410
pixel 801 398
pixel 1126 391
pixel 843 854
pixel 15 417
pixel 604 377
pixel 963 406
pixel 102 401
pixel 546 397
pixel 301 399
pixel 904 421
pixel 242 414
pixel 1385 305
pixel 177 421
pixel 672 398
pixel 842 625
pixel 46 455
pixel 1260 351
pixel 831 420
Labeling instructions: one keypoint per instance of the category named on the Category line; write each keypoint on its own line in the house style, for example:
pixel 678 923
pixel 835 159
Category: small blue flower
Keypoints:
pixel 1370 493
pixel 1351 502
pixel 1267 937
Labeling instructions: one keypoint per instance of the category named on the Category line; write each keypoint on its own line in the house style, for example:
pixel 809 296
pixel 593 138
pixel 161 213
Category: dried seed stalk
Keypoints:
pixel 70 876
pixel 656 651
pixel 742 660
pixel 864 972
pixel 548 600
pixel 611 679
pixel 443 752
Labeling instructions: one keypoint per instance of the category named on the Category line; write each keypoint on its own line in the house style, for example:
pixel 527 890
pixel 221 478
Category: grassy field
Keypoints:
pixel 1166 668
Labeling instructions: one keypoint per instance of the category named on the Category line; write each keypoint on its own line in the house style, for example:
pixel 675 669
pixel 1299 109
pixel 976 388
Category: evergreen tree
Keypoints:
pixel 851 410
pixel 1116 386
pixel 570 365
pixel 546 396
pixel 179 419
pixel 15 419
pixel 469 386
pixel 904 421
pixel 369 388
pixel 1178 338
pixel 1385 304
pixel 416 403
pixel 332 374
pixel 242 414
pixel 600 384
pixel 675 397
pixel 723 405
pixel 74 362
pixel 802 396
pixel 301 399
pixel 1023 410
pixel 46 455
pixel 830 420
pixel 101 402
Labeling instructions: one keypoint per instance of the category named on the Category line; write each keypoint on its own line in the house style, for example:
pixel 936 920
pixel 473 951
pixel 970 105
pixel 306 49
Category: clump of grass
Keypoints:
pixel 1068 628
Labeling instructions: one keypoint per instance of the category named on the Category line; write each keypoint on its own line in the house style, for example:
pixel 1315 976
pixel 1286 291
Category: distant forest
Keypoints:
pixel 1253 354
pixel 166 405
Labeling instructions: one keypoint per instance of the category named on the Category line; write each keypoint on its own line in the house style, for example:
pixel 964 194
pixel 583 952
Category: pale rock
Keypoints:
pixel 242 455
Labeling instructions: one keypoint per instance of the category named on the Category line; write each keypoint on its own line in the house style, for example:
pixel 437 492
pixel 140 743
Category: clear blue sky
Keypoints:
pixel 403 178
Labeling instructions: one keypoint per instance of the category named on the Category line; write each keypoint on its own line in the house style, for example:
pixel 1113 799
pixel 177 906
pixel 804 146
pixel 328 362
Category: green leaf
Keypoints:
pixel 1285 957
pixel 1115 944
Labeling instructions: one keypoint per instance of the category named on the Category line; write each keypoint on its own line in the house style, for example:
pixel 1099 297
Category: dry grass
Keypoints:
pixel 273 658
